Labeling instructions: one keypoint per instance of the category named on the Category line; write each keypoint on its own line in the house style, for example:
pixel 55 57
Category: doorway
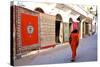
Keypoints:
pixel 57 27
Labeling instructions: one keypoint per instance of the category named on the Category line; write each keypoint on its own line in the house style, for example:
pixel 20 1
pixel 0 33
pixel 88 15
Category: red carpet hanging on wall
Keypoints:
pixel 29 29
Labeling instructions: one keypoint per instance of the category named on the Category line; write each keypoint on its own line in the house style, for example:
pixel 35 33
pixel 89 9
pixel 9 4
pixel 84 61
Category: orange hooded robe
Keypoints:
pixel 74 40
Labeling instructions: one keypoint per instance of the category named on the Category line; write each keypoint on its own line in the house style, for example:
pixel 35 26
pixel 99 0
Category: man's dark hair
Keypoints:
pixel 75 31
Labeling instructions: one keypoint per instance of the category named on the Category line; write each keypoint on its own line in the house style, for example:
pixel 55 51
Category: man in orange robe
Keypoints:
pixel 74 41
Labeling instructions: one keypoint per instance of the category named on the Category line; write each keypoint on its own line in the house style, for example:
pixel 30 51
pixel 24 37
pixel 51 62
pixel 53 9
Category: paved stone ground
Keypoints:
pixel 87 51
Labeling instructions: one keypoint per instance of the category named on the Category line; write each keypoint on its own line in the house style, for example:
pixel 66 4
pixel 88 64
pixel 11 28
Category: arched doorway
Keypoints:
pixel 70 24
pixel 38 9
pixel 57 27
pixel 79 24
